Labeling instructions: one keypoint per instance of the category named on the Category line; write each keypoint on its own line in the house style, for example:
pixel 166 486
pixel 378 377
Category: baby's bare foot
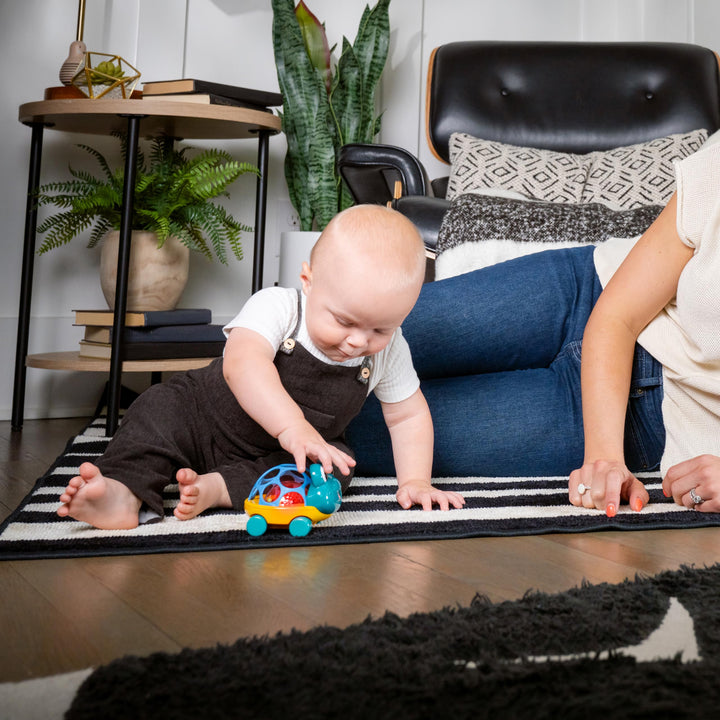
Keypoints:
pixel 100 501
pixel 199 492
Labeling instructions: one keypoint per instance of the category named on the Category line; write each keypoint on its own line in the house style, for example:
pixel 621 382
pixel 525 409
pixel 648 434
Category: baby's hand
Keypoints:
pixel 421 492
pixel 303 441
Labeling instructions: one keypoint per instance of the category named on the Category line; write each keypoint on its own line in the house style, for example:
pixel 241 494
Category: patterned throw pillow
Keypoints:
pixel 541 174
pixel 642 174
pixel 621 178
pixel 478 231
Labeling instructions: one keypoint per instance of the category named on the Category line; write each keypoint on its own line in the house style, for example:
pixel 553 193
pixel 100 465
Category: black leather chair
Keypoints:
pixel 568 97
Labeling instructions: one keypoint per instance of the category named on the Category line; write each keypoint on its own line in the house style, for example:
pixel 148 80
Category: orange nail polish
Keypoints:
pixel 637 505
pixel 611 510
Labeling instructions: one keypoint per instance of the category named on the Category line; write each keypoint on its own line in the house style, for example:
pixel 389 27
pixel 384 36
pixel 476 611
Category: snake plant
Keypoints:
pixel 325 106
pixel 173 194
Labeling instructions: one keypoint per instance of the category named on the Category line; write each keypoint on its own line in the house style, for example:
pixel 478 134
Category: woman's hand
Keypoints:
pixel 603 484
pixel 695 483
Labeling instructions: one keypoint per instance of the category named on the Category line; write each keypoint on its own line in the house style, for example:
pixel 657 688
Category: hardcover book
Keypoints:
pixel 204 99
pixel 256 98
pixel 160 333
pixel 154 350
pixel 149 318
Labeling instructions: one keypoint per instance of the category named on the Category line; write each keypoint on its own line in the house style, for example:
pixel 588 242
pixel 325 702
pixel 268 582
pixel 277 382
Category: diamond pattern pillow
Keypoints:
pixel 541 174
pixel 622 178
pixel 643 174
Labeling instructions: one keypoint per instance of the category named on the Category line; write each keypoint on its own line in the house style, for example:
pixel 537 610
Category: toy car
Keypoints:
pixel 284 497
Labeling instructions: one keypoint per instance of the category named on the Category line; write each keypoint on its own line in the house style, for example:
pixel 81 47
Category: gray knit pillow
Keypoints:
pixel 479 230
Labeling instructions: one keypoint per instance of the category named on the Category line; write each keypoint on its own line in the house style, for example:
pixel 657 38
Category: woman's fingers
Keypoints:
pixel 602 484
pixel 695 483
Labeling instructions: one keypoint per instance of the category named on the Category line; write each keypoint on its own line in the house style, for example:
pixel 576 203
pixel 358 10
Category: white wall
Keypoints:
pixel 230 41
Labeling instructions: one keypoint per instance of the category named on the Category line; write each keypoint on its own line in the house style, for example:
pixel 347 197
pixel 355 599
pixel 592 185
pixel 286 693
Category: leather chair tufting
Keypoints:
pixel 562 96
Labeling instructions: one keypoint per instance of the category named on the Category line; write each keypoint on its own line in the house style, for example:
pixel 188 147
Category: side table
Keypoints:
pixel 146 118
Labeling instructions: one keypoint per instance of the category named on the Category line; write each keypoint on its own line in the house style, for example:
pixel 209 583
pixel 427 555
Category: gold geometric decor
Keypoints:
pixel 105 75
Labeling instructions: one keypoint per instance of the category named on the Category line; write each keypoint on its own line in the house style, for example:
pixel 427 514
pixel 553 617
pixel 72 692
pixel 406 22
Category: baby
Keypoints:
pixel 297 368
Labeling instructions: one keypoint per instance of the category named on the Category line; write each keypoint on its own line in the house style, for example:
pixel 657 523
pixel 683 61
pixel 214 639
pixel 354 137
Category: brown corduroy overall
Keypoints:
pixel 193 420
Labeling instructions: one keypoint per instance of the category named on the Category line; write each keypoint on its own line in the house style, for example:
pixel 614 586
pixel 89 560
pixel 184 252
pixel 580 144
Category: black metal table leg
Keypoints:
pixel 117 354
pixel 260 210
pixel 123 266
pixel 23 332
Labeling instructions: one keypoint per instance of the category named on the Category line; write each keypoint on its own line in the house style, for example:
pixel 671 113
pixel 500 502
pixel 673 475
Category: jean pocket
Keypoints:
pixel 641 386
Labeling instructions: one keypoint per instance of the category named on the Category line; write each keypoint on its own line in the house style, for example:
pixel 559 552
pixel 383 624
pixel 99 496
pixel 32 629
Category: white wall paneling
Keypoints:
pixel 230 41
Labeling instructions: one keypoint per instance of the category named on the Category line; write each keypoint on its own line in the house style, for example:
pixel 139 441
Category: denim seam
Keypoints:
pixel 636 437
pixel 573 349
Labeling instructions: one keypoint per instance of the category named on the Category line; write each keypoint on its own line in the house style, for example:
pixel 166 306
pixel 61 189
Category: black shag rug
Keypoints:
pixel 643 649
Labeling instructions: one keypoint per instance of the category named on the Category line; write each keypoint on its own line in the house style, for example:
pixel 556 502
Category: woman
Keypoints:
pixel 499 353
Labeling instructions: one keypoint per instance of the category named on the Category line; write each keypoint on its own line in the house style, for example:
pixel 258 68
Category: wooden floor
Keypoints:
pixel 62 615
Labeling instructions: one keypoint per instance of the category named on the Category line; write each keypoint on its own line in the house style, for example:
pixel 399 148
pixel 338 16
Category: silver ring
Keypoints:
pixel 582 488
pixel 697 500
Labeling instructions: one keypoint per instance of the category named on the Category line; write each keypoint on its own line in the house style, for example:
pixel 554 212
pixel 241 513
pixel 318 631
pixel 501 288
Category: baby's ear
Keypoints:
pixel 306 277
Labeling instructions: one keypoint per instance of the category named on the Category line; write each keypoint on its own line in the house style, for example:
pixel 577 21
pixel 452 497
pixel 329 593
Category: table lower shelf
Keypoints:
pixel 72 360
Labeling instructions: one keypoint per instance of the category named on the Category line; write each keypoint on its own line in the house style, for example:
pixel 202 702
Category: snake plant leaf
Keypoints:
pixel 323 185
pixel 316 124
pixel 372 42
pixel 346 99
pixel 305 113
pixel 316 42
pixel 370 50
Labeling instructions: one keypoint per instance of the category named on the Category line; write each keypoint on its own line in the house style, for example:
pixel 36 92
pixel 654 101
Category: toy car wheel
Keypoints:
pixel 256 525
pixel 300 526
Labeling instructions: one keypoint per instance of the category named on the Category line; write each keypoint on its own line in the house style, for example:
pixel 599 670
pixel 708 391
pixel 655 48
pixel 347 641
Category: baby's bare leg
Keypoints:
pixel 200 492
pixel 100 501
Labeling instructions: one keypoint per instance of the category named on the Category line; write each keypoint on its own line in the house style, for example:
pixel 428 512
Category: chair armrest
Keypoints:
pixel 370 172
pixel 427 214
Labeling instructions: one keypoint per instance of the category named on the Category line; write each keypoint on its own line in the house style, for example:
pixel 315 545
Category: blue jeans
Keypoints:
pixel 498 354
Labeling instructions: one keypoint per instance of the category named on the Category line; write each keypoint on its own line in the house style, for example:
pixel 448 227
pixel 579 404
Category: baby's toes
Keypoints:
pixel 189 492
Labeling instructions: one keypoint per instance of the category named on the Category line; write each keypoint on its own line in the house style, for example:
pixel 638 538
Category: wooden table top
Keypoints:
pixel 158 117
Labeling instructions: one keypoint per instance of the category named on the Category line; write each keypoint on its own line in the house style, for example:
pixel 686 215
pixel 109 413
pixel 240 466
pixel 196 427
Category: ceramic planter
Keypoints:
pixel 157 276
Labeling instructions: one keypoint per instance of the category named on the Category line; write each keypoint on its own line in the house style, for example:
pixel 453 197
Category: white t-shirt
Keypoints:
pixel 272 313
pixel 685 336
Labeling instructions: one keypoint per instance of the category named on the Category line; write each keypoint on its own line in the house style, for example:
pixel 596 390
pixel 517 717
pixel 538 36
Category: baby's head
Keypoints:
pixel 364 276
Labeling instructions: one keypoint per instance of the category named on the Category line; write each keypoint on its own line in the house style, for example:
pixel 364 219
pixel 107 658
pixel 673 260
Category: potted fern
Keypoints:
pixel 325 105
pixel 173 213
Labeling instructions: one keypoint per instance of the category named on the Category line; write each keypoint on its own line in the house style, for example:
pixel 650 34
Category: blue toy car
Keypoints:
pixel 285 497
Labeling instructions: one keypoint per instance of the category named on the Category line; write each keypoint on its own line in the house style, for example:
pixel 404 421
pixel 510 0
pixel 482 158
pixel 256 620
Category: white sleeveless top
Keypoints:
pixel 685 336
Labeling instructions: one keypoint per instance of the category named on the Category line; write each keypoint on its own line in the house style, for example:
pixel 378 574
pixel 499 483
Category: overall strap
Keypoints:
pixel 288 344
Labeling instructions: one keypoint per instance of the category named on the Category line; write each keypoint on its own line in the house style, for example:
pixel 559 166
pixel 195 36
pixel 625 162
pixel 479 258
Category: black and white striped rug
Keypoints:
pixel 369 513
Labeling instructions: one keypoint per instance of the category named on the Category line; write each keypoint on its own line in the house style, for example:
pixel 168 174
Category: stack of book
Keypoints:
pixel 153 335
pixel 210 93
